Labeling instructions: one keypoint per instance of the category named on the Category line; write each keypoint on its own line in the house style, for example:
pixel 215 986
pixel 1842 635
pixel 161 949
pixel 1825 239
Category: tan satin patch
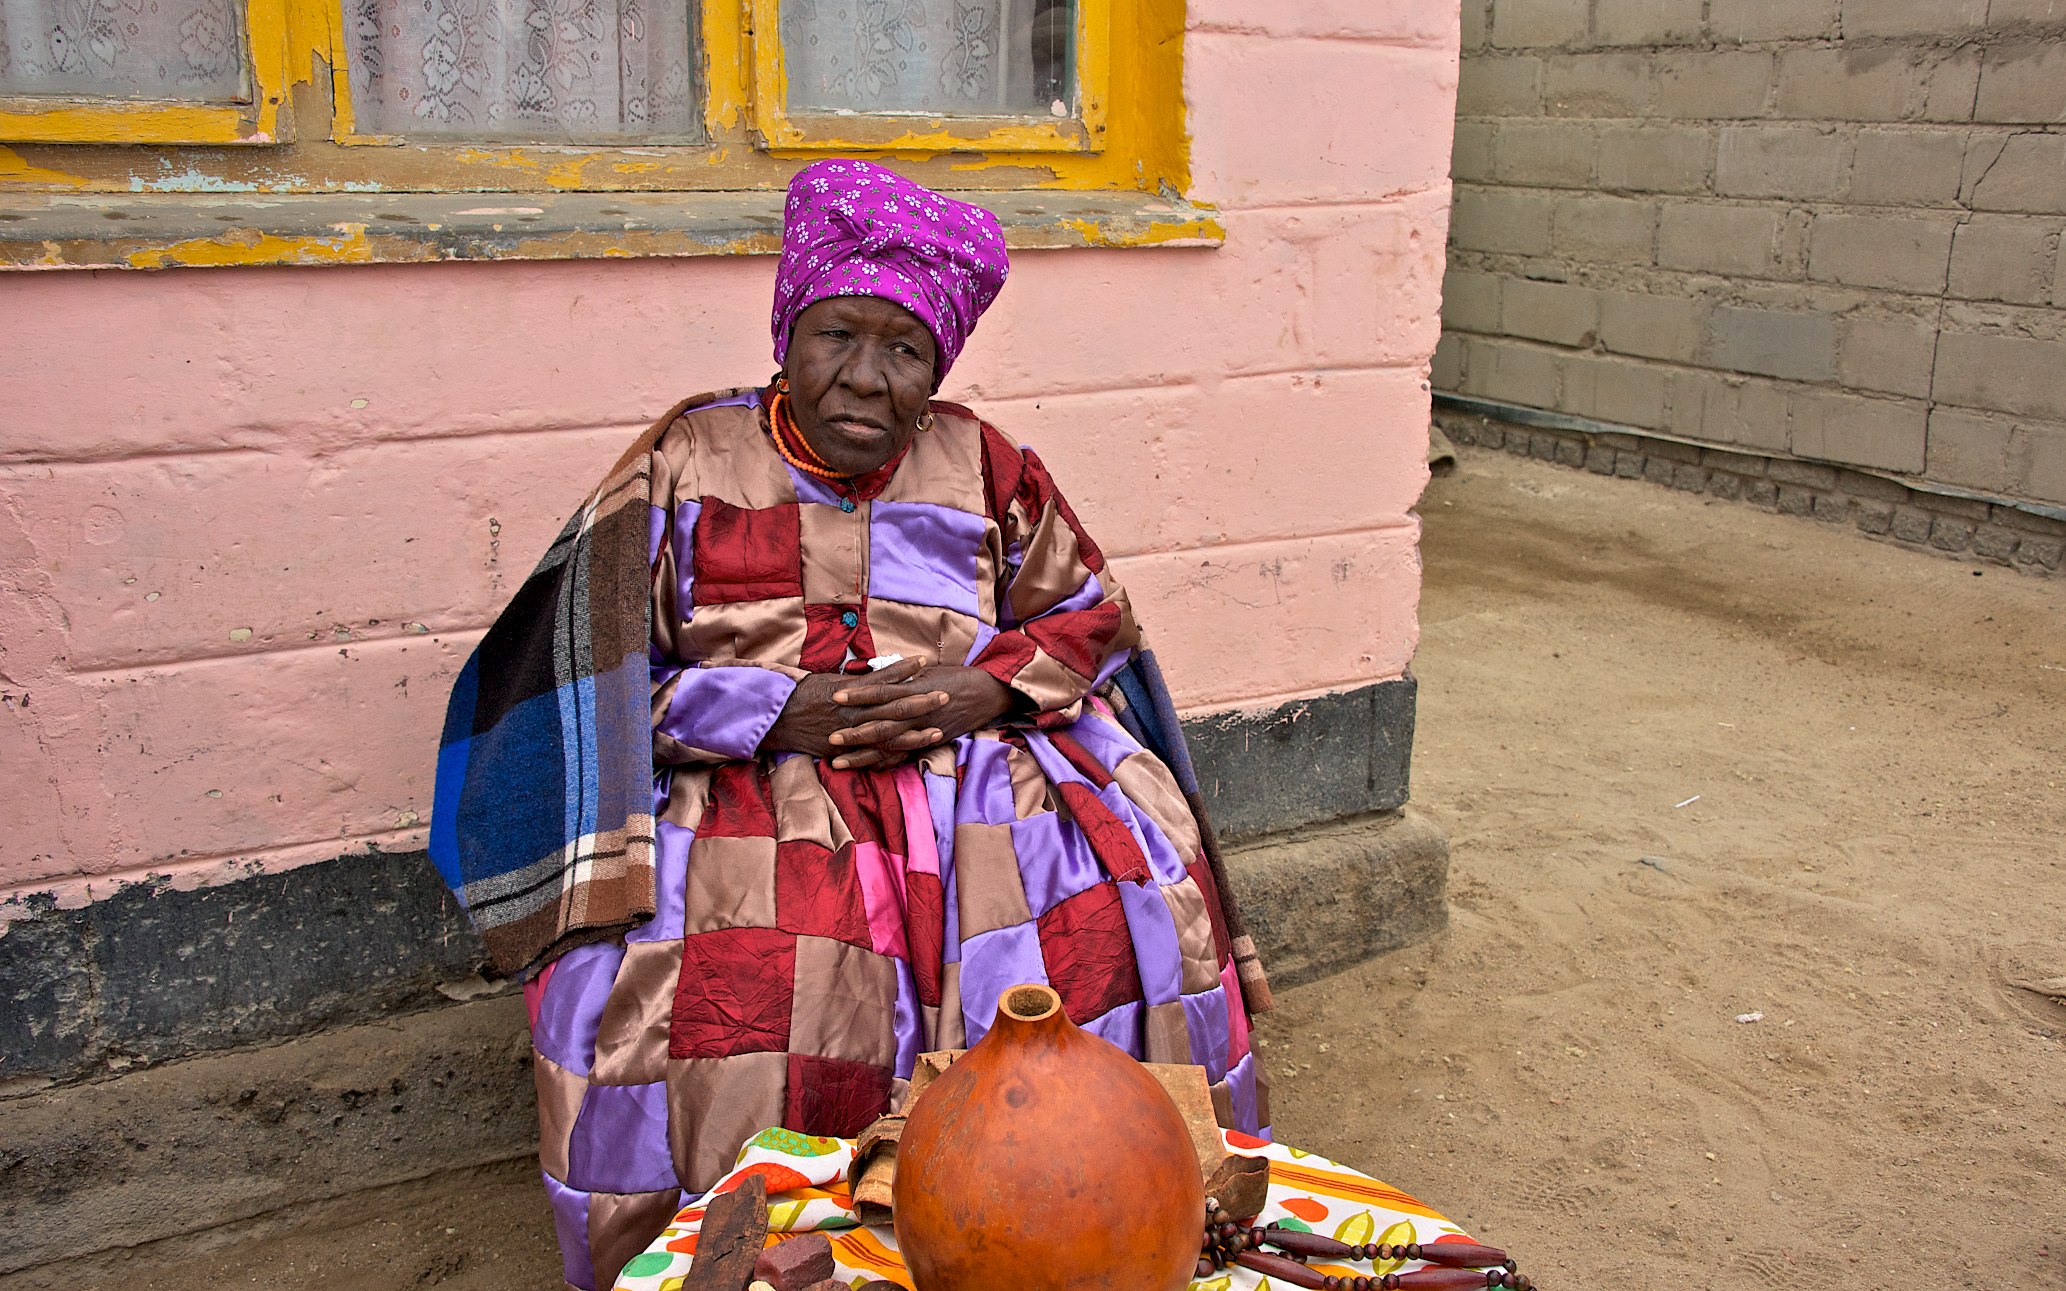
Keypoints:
pixel 1193 936
pixel 620 1225
pixel 1148 785
pixel 988 887
pixel 1030 791
pixel 1166 1036
pixel 631 1036
pixel 769 631
pixel 803 812
pixel 944 467
pixel 716 1104
pixel 943 636
pixel 835 554
pixel 559 1101
pixel 845 1003
pixel 731 884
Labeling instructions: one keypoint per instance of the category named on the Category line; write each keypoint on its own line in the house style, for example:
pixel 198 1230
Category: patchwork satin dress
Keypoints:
pixel 818 929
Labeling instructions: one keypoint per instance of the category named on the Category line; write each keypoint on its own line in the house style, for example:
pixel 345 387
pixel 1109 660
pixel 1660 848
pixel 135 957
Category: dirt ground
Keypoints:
pixel 1756 826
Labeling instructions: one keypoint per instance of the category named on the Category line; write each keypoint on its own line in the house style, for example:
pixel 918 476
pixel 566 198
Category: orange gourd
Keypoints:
pixel 1046 1159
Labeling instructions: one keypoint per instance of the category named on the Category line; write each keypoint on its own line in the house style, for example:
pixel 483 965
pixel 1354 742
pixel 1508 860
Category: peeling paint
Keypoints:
pixel 245 247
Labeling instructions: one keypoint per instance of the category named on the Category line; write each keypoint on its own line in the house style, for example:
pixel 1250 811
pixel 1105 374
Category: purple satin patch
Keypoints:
pixel 671 843
pixel 685 514
pixel 1121 1026
pixel 985 634
pixel 619 1142
pixel 1241 1092
pixel 1103 739
pixel 922 554
pixel 986 796
pixel 726 710
pixel 1055 860
pixel 1082 598
pixel 1154 941
pixel 991 964
pixel 570 1224
pixel 910 1029
pixel 1206 1015
pixel 573 1005
pixel 1111 667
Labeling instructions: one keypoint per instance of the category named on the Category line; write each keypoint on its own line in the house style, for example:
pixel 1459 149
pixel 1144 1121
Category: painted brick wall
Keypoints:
pixel 1824 228
pixel 253 519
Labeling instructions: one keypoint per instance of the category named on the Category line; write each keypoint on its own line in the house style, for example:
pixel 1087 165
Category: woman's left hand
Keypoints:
pixel 974 699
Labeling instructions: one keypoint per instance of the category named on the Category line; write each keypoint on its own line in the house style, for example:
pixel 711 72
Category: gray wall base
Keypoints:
pixel 1322 900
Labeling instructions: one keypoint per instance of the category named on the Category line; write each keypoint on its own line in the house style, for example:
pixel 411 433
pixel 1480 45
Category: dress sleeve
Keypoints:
pixel 1064 623
pixel 702 712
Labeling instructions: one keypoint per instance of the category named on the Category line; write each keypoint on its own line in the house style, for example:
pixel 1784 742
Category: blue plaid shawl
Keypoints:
pixel 542 823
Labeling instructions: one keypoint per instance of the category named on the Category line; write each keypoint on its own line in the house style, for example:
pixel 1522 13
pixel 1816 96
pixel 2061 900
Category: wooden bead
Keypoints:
pixel 1282 1269
pixel 1461 1255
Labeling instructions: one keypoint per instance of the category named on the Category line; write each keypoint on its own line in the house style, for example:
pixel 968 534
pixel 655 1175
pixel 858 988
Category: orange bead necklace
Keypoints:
pixel 791 444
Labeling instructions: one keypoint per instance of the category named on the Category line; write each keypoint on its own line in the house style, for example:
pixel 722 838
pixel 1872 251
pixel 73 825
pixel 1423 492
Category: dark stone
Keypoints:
pixel 1832 509
pixel 1570 452
pixel 1994 544
pixel 1762 493
pixel 1725 486
pixel 155 973
pixel 1911 525
pixel 1875 517
pixel 47 992
pixel 1689 478
pixel 1950 535
pixel 1305 763
pixel 1658 468
pixel 1629 466
pixel 1795 502
pixel 1599 459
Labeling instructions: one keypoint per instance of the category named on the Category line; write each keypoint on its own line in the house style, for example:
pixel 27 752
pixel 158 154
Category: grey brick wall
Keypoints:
pixel 1824 229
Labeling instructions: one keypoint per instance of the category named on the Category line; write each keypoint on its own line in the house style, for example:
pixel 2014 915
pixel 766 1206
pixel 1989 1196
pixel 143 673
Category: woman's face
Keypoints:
pixel 860 371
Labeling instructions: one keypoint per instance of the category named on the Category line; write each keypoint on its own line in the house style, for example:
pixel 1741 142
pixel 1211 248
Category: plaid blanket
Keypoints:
pixel 542 822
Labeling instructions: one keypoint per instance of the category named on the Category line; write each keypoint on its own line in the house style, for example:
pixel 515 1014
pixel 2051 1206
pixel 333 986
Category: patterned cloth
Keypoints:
pixel 851 228
pixel 542 822
pixel 816 929
pixel 807 1192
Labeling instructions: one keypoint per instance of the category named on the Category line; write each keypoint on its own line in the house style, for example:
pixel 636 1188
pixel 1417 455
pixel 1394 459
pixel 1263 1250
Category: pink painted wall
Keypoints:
pixel 253 519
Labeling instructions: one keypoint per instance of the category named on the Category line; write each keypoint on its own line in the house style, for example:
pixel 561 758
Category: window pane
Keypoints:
pixel 525 71
pixel 185 50
pixel 951 57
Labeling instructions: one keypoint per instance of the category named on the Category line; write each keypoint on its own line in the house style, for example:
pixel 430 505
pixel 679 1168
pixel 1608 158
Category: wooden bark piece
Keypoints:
pixel 735 1229
pixel 1187 1088
pixel 1241 1185
pixel 874 1169
pixel 928 1066
pixel 796 1263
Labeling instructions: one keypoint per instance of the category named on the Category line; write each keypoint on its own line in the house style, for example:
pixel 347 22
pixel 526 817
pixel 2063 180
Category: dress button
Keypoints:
pixel 851 619
pixel 846 504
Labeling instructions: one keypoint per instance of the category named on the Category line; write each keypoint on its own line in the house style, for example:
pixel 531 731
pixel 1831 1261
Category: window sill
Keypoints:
pixel 163 231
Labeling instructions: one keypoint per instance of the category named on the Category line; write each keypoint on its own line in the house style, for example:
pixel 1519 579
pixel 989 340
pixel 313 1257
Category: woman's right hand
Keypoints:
pixel 878 718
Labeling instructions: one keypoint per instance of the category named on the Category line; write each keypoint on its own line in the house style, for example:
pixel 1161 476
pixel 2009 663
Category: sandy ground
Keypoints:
pixel 1756 825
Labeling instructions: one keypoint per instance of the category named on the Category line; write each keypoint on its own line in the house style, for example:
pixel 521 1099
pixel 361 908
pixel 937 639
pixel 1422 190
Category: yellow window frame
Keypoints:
pixel 257 118
pixel 786 131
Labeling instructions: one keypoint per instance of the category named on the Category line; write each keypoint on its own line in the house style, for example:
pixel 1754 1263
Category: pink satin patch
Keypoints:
pixel 882 889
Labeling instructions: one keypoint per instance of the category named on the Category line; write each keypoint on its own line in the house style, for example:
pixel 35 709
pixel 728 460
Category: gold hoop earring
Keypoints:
pixel 782 382
pixel 925 421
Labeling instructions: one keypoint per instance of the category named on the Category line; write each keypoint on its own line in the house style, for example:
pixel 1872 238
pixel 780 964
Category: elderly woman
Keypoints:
pixel 791 756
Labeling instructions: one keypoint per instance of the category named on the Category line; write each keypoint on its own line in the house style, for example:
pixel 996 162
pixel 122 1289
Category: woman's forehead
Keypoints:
pixel 874 311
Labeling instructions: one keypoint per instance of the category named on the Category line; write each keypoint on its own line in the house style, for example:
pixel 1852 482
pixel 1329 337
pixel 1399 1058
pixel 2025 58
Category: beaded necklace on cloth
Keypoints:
pixel 790 443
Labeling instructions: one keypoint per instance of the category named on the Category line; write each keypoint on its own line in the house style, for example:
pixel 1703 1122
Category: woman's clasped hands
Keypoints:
pixel 881 718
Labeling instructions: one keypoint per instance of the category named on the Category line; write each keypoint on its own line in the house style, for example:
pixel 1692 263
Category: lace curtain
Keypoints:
pixel 535 71
pixel 184 50
pixel 953 57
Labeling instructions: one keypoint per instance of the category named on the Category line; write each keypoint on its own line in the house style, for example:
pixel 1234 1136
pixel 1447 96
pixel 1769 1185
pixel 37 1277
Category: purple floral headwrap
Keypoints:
pixel 851 228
